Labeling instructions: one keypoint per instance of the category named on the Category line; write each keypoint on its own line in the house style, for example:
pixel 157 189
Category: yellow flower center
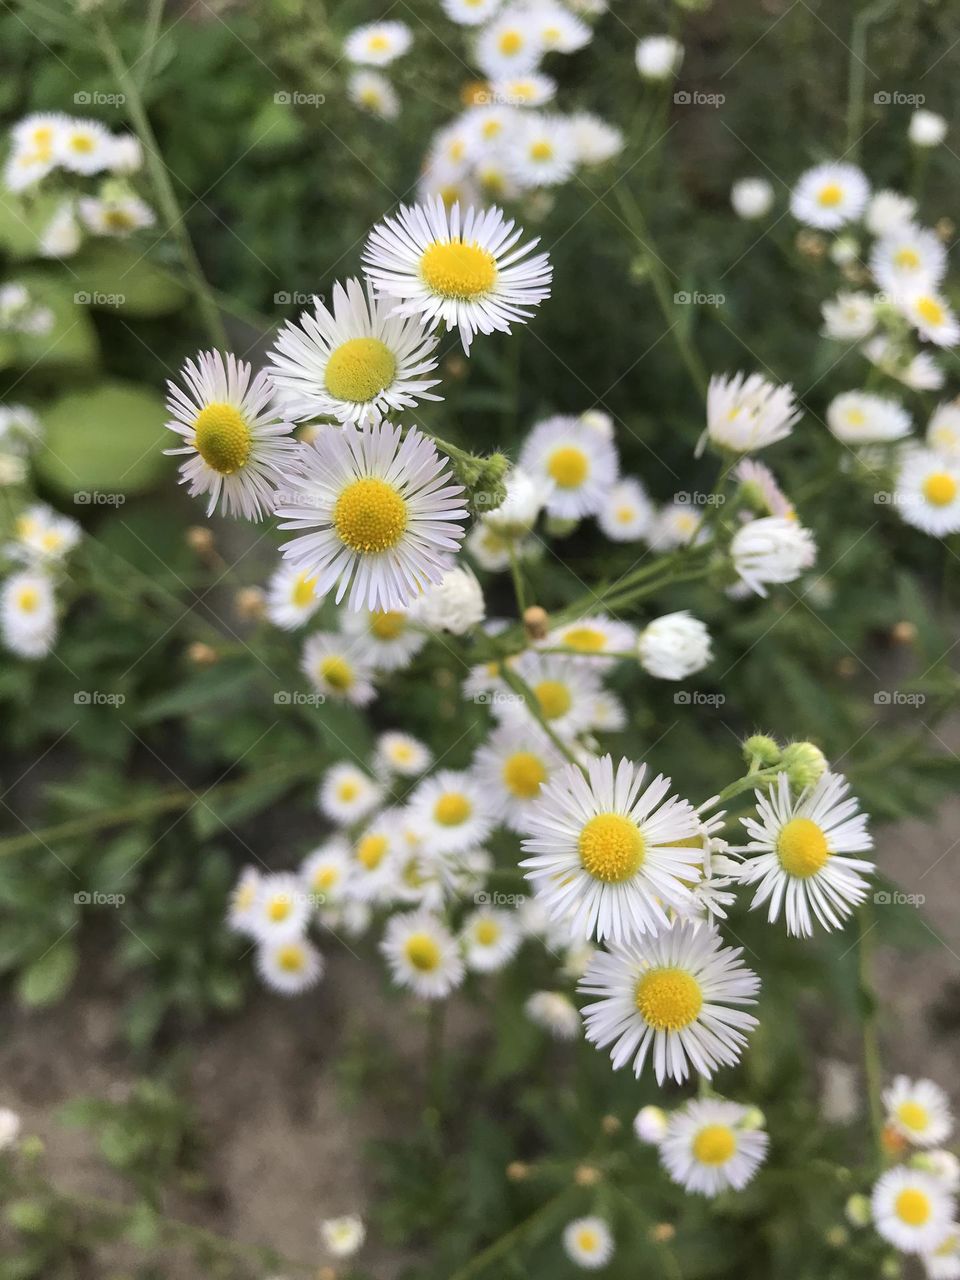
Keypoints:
pixel 588 1240
pixel 510 42
pixel 802 848
pixel 568 467
pixel 370 516
pixel 378 44
pixel 422 952
pixel 452 809
pixel 586 639
pixel 907 258
pixel 119 220
pixel 370 97
pixel 290 958
pixel 611 848
pixel 454 269
pixel 550 35
pixel 856 417
pixel 244 898
pixel 830 195
pixel 940 489
pixel 389 625
pixel 325 878
pixel 912 1207
pixel 669 999
pixel 82 143
pixel 279 909
pixel 360 369
pixel 402 753
pixel 347 791
pixel 486 932
pixel 303 591
pixel 222 438
pixel 337 673
pixel 541 150
pixel 370 851
pixel 624 515
pixel 492 128
pixel 930 310
pixel 913 1116
pixel 524 774
pixel 714 1144
pixel 28 599
pixel 554 698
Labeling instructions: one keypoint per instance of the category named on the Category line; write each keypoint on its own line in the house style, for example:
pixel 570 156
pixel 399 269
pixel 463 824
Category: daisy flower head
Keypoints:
pixel 943 1262
pixel 668 998
pixel 384 512
pixel 453 604
pixel 919 1110
pixel 658 57
pixel 608 853
pixel 336 670
pixel 908 257
pixel 26 166
pixel 928 492
pixel 119 216
pixel 347 794
pixel 451 812
pixel 470 13
pixel 28 614
pixel 759 487
pixel 943 430
pixel 931 315
pixel 20 429
pixel 748 412
pixel 373 92
pixel 564 689
pixel 491 938
pixel 541 151
pixel 83 146
pixel 509 45
pixel 387 639
pixel 927 129
pixel 462 268
pixel 919 372
pixel 626 513
pixel 343 1237
pixel 580 465
pixel 42 535
pixel 830 194
pixel 518 513
pixel 402 755
pixel 289 967
pixel 801 849
pixel 511 768
pixel 490 549
pixel 531 90
pixel 554 1013
pixel 485 128
pixel 588 1243
pixel 849 316
pixel 676 525
pixel 377 44
pixel 711 1146
pixel 242 906
pixel 888 211
pixel 237 449
pixel 374 858
pixel 61 236
pixel 594 639
pixel 325 873
pixel 912 1209
pixel 595 141
pixel 751 198
pixel 859 417
pixel 282 908
pixel 559 30
pixel 422 955
pixel 357 362
pixel 292 599
pixel 126 154
pixel 773 549
pixel 650 1125
pixel 674 646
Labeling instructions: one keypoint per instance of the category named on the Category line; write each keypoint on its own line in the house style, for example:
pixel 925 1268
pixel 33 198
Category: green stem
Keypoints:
pixel 856 78
pixel 747 783
pixel 510 1239
pixel 151 37
pixel 871 1044
pixel 520 686
pixel 163 187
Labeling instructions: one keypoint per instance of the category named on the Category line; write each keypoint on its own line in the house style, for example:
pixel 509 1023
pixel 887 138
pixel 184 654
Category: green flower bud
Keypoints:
pixel 836 1237
pixel 803 763
pixel 858 1211
pixel 762 749
pixel 558 528
pixel 488 485
pixel 754 1119
pixel 891 1269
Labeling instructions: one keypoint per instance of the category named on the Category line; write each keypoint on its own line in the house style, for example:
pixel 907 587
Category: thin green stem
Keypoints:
pixel 520 686
pixel 747 783
pixel 510 1239
pixel 872 1067
pixel 856 78
pixel 151 37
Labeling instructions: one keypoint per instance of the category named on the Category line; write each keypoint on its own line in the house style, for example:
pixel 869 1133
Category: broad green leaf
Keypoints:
pixel 117 276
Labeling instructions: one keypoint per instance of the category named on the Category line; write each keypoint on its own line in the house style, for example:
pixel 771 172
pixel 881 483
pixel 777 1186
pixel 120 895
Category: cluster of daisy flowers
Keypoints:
pixel 21 313
pixel 913 1204
pixel 35 558
pixel 57 150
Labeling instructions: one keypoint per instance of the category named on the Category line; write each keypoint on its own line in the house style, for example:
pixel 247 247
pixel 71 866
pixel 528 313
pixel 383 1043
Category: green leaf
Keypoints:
pixel 106 440
pixel 23 221
pixel 70 343
pixel 48 979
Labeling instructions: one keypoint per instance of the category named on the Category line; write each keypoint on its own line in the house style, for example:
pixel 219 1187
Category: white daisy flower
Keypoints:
pixel 531 90
pixel 859 417
pixel 20 428
pixel 801 846
pixel 26 166
pixel 402 754
pixel 337 670
pixel 39 131
pixel 658 57
pixel 511 768
pixel 9 1128
pixel 374 858
pixel 565 689
pixel 927 495
pixel 594 638
pixel 942 1164
pixel 595 141
pixel 650 1125
pixel 919 1110
pixel 462 269
pixel 509 45
pixel 751 198
pixel 588 1243
pixel 453 604
pixel 422 955
pixel 920 372
pixel 711 1145
pixel 927 129
pixel 912 1209
pixel 849 316
pixel 582 467
pixel 668 998
pixel 373 92
pixel 455 146
pixel 943 430
pixel 943 1263
pixel 626 513
pixel 83 146
pixel 292 598
pixel 437 184
pixel 829 195
pixel 485 127
pixel 356 363
pixel 772 549
pixel 61 237
pixel 607 713
pixel 609 854
pixel 888 211
pixel 377 43
pixel 554 1013
pixel 42 535
pixel 541 151
pixel 343 1237
pixel 244 898
pixel 674 646
pixel 387 640
pixel 451 812
pixel 238 452
pixel 490 549
pixel 518 513
pixel 931 315
pixel 348 795
pixel 282 908
pixel 748 412
pixel 119 216
pixel 490 938
pixel 470 13
pixel 126 154
pixel 908 258
pixel 559 30
pixel 383 512
pixel 289 967
pixel 28 615
pixel 325 873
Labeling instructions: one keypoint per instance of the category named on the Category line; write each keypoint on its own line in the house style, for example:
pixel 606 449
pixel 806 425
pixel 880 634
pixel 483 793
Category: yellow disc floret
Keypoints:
pixel 486 932
pixel 939 489
pixel 388 625
pixel 304 590
pixel 802 848
pixel 337 673
pixel 830 195
pixel 370 851
pixel 611 848
pixel 524 774
pixel 669 999
pixel 568 467
pixel 422 952
pixel 370 516
pixel 452 809
pixel 358 370
pixel 930 311
pixel 455 269
pixel 554 698
pixel 222 438
pixel 914 1116
pixel 912 1207
pixel 586 639
pixel 714 1144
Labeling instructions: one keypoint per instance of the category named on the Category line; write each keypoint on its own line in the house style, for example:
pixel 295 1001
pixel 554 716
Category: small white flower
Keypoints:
pixel 919 1110
pixel 451 812
pixel 61 237
pixel 126 154
pixel 373 92
pixel 931 315
pixel 118 216
pixel 674 646
pixel 541 151
pixel 518 512
pixel 888 211
pixel 387 640
pixel 772 549
pixel 748 412
pixel 943 430
pixel 292 598
pixel 453 604
pixel 650 1125
pixel 343 1237
pixel 83 146
pixel 751 198
pixel 491 938
pixel 558 30
pixel 829 195
pixel 564 690
pixel 422 955
pixel 509 45
pixel 512 766
pixel 289 967
pixel 42 536
pixel 627 514
pixel 658 57
pixel 555 1013
pixel 401 754
pixel 908 258
pixel 470 13
pixel 337 670
pixel 325 872
pixel 9 1128
pixel 348 795
pixel 849 316
pixel 588 1243
pixel 859 417
pixel 927 495
pixel 595 141
pixel 676 525
pixel 244 899
pixel 377 43
pixel 920 372
pixel 912 1209
pixel 28 615
pixel 281 909
pixel 711 1145
pixel 567 454
pixel 927 129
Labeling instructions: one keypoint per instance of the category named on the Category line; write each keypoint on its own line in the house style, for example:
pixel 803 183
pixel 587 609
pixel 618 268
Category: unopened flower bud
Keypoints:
pixel 200 539
pixel 536 622
pixel 587 1175
pixel 858 1211
pixel 662 1232
pixel 518 1170
pixel 766 751
pixel 250 603
pixel 837 1236
pixel 903 632
pixel 610 1125
pixel 202 655
pixel 803 763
